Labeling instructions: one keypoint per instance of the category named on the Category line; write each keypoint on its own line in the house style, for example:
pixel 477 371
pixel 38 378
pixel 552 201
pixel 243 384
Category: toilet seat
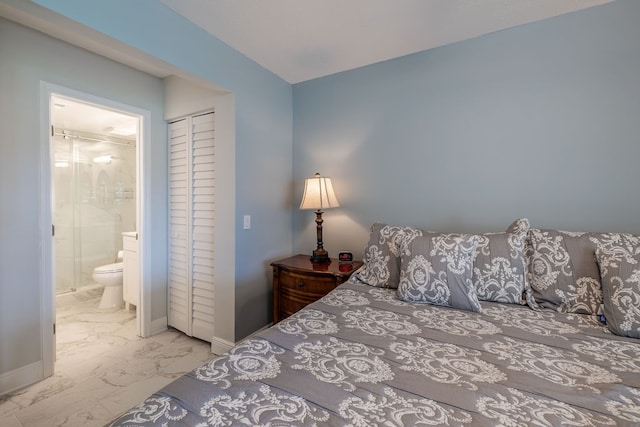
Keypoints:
pixel 116 267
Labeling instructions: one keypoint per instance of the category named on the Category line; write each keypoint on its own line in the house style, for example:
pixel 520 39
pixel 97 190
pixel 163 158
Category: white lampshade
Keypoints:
pixel 318 193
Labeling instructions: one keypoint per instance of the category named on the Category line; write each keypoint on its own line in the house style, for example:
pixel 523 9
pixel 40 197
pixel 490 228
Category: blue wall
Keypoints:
pixel 263 131
pixel 27 59
pixel 540 121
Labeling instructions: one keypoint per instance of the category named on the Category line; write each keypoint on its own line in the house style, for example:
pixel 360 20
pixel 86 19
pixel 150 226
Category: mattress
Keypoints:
pixel 361 357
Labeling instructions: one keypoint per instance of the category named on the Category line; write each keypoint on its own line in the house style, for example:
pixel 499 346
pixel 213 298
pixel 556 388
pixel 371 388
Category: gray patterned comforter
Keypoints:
pixel 361 357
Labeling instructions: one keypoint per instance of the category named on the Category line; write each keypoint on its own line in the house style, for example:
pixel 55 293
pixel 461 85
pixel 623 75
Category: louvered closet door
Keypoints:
pixel 202 230
pixel 179 207
pixel 192 210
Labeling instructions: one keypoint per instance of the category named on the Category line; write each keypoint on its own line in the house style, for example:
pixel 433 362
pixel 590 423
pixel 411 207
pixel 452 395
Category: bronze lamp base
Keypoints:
pixel 320 256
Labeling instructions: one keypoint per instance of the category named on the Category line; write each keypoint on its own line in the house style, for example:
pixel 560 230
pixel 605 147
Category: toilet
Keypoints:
pixel 110 275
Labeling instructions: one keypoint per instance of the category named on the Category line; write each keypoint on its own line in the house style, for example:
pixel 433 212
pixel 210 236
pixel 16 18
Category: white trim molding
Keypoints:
pixel 219 346
pixel 144 324
pixel 159 325
pixel 18 378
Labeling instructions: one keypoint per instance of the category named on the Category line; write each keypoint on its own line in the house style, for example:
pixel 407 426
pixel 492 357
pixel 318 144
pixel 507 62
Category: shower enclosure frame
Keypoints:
pixel 95 201
pixel 48 309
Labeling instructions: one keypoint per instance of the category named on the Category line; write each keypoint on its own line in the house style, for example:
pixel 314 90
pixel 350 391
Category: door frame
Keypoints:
pixel 48 302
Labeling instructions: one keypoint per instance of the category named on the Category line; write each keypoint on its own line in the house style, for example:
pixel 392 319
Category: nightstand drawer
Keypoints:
pixel 306 284
pixel 300 290
pixel 291 304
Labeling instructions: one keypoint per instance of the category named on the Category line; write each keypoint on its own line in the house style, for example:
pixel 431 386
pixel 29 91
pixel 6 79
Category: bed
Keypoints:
pixel 362 356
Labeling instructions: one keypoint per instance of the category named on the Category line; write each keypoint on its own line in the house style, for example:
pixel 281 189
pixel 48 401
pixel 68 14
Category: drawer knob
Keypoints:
pixel 300 284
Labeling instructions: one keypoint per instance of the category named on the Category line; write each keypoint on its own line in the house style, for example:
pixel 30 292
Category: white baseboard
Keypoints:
pixel 21 377
pixel 219 345
pixel 159 325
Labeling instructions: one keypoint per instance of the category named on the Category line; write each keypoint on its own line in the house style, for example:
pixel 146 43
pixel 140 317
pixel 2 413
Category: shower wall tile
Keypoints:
pixel 94 204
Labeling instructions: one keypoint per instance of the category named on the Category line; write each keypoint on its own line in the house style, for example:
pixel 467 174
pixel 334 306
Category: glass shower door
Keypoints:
pixel 65 213
pixel 94 202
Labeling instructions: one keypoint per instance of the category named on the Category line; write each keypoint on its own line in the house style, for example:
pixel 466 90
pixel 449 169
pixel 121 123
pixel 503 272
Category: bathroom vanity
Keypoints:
pixel 130 283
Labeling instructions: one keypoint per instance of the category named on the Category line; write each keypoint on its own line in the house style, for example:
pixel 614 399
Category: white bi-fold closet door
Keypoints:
pixel 191 230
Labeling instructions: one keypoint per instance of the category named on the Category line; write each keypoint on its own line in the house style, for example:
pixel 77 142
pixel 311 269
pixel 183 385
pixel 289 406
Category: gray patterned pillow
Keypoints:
pixel 623 245
pixel 437 269
pixel 382 255
pixel 499 272
pixel 620 272
pixel 563 273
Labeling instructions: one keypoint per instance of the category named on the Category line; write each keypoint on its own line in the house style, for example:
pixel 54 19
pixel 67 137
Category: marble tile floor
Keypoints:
pixel 102 368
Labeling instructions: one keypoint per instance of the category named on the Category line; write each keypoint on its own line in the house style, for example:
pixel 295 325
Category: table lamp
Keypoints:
pixel 318 194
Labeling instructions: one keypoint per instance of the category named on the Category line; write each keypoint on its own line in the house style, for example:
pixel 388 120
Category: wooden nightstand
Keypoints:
pixel 297 282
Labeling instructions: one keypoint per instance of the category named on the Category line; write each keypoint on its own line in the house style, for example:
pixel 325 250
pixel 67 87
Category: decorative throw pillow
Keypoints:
pixel 437 269
pixel 563 273
pixel 382 255
pixel 620 272
pixel 624 246
pixel 499 271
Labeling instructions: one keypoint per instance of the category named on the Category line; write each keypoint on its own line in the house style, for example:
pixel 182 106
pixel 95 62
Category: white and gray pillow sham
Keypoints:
pixel 563 274
pixel 499 270
pixel 382 255
pixel 618 257
pixel 437 269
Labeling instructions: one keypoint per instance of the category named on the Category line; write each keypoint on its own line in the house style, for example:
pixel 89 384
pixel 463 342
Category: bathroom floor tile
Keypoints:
pixel 9 421
pixel 102 368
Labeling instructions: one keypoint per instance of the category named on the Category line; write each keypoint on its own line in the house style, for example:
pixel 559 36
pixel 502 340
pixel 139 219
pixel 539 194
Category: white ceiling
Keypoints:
pixel 300 40
pixel 81 118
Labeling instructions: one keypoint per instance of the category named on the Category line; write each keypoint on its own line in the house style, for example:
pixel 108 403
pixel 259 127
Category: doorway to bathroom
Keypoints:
pixel 95 203
pixel 94 189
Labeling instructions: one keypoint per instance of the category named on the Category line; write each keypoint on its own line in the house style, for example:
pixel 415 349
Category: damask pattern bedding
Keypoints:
pixel 361 357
